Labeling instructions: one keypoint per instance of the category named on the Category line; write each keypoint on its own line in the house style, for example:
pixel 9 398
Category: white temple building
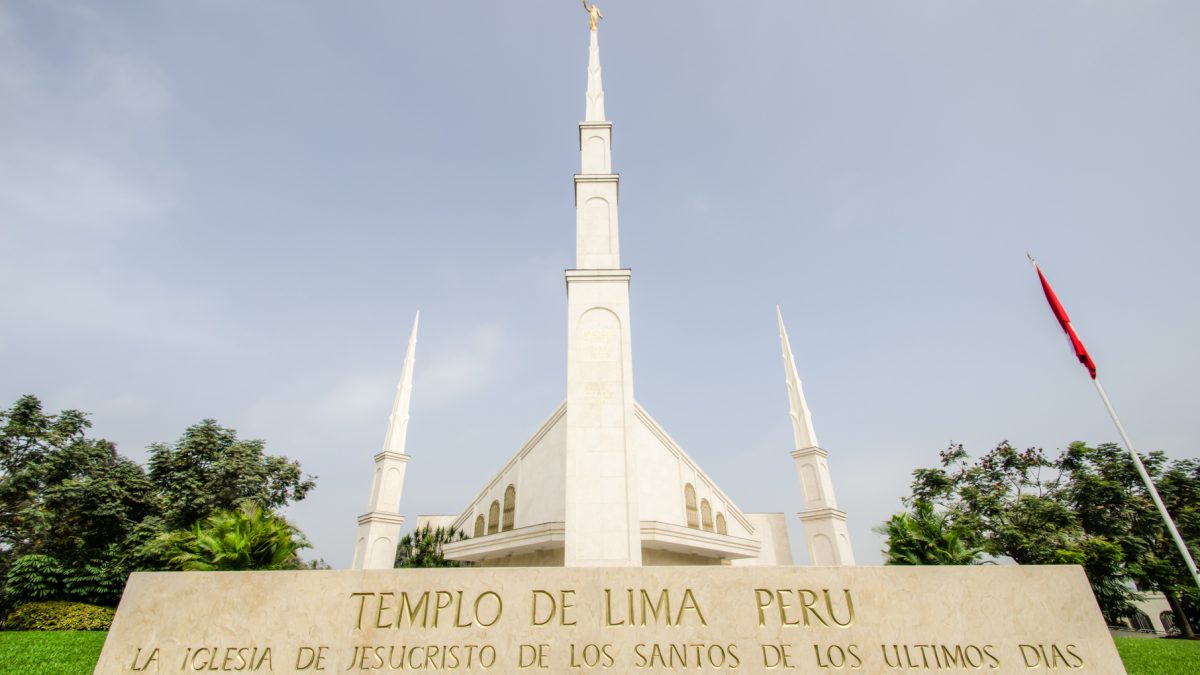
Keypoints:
pixel 601 483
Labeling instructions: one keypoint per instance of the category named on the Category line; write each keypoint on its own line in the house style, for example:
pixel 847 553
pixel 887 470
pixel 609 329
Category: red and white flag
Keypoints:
pixel 1065 321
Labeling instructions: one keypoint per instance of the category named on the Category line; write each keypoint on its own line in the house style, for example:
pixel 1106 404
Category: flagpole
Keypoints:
pixel 1137 462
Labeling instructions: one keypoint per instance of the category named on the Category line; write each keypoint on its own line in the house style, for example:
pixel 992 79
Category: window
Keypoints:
pixel 689 501
pixel 510 509
pixel 1140 621
pixel 706 515
pixel 479 525
pixel 721 528
pixel 1168 622
pixel 494 518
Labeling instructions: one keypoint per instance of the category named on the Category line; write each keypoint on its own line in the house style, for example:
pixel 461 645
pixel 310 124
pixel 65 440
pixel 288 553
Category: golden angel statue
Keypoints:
pixel 594 14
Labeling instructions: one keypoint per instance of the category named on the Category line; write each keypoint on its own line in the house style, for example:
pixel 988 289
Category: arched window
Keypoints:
pixel 479 525
pixel 706 515
pixel 689 501
pixel 1139 621
pixel 494 518
pixel 1168 621
pixel 721 528
pixel 510 509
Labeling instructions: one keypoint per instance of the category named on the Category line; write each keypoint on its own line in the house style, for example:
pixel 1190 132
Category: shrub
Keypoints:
pixel 58 615
pixel 94 584
pixel 35 577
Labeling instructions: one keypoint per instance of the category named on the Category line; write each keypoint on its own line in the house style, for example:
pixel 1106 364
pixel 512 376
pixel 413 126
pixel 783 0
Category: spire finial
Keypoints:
pixel 802 426
pixel 397 433
pixel 594 14
pixel 595 87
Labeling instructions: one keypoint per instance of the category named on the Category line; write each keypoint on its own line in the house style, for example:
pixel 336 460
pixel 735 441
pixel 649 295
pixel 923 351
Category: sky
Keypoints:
pixel 233 210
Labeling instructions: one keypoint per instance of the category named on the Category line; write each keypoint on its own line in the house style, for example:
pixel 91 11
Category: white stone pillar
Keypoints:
pixel 379 528
pixel 602 527
pixel 825 533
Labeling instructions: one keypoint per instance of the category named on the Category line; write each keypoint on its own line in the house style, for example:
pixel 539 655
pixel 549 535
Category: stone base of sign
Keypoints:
pixel 995 619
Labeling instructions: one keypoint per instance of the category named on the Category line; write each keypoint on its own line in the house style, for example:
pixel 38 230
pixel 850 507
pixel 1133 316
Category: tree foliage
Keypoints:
pixel 1087 506
pixel 209 469
pixel 1112 502
pixel 246 538
pixel 423 547
pixel 72 503
pixel 925 537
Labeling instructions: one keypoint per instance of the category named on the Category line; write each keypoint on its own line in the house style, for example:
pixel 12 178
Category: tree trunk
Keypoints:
pixel 1185 628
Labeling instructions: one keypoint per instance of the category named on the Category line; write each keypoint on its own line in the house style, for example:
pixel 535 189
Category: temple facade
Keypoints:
pixel 600 482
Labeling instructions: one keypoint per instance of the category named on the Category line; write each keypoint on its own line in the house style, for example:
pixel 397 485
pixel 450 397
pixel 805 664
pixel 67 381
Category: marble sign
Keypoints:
pixel 993 619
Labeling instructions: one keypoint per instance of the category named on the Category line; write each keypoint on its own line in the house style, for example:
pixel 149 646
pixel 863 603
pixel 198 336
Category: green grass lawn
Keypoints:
pixel 67 652
pixel 1144 656
pixel 51 653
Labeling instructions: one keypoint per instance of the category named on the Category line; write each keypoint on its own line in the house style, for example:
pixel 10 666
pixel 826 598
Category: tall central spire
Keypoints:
pixel 602 527
pixel 595 89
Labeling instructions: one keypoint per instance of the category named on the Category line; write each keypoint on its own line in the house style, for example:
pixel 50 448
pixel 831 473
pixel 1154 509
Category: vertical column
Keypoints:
pixel 602 525
pixel 379 528
pixel 825 531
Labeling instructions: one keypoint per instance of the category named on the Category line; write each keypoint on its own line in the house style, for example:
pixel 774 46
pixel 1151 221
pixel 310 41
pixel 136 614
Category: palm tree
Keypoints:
pixel 248 538
pixel 925 537
pixel 423 547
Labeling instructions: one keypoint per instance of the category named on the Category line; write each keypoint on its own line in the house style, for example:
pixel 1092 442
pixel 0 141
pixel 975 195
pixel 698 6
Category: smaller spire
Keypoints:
pixel 802 426
pixel 397 433
pixel 595 88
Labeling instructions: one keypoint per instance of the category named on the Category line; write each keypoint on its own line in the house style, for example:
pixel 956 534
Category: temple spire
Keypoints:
pixel 379 527
pixel 595 89
pixel 802 426
pixel 397 433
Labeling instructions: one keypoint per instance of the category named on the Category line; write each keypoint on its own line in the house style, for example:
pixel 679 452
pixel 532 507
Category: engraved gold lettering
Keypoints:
pixel 499 608
pixel 533 608
pixel 762 598
pixel 1029 654
pixel 362 601
pixel 608 614
pixel 151 659
pixel 421 607
pixel 200 658
pixel 663 605
pixel 849 608
pixel 533 656
pixel 311 657
pixel 689 603
pixel 837 656
pixel 591 655
pixel 563 597
pixel 487 656
pixel 1078 663
pixel 783 607
pixel 777 656
pixel 808 598
pixel 443 600
pixel 380 607
pixel 973 656
pixel 458 612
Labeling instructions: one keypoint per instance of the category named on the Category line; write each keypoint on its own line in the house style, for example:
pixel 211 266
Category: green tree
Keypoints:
pixel 1007 502
pixel 1016 504
pixel 246 538
pixel 423 547
pixel 69 497
pixel 73 504
pixel 209 469
pixel 1111 501
pixel 925 537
